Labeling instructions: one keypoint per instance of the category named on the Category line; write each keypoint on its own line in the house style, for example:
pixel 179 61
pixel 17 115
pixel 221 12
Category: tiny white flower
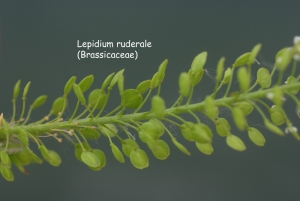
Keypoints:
pixel 270 95
pixel 296 39
pixel 290 129
pixel 297 57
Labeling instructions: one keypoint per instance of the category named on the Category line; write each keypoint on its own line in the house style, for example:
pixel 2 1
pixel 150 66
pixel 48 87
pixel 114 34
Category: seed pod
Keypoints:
pixel 184 84
pixel 24 156
pixel 155 81
pixel 180 147
pixel 6 173
pixel 244 78
pixel 277 96
pixel 239 118
pixel 186 131
pixel 256 137
pixel 235 143
pixel 89 133
pixel 292 80
pixel 5 159
pixel 55 158
pixel 98 97
pixel 121 84
pixel 283 58
pixel 210 109
pixel 17 163
pixel 205 148
pixel 139 159
pixel 161 150
pixel 128 145
pixel 117 153
pixel 101 156
pixel 158 126
pixel 45 153
pixel 143 86
pixel 38 102
pixel 23 137
pixel 107 81
pixel 108 130
pixel 131 99
pixel 263 78
pixel 254 53
pixel 115 79
pixel 86 83
pixel 26 89
pixel 79 94
pixel 69 85
pixel 227 76
pixel 245 106
pixel 35 158
pixel 200 135
pixel 273 128
pixel 277 115
pixel 242 60
pixel 220 69
pixel 90 159
pixel 146 137
pixel 199 62
pixel 16 90
pixel 58 105
pixel 153 128
pixel 79 150
pixel 161 70
pixel 158 106
pixel 222 127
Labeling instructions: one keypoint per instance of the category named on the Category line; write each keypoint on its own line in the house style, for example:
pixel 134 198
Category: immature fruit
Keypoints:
pixel 139 159
pixel 235 143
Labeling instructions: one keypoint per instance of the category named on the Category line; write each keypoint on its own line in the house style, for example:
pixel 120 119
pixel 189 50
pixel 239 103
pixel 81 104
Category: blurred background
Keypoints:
pixel 38 43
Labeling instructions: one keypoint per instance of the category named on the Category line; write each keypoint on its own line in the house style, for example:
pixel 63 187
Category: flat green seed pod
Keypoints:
pixel 159 128
pixel 210 109
pixel 16 90
pixel 5 159
pixel 227 76
pixel 149 128
pixel 186 131
pixel 6 173
pixel 184 84
pixel 79 94
pixel 143 86
pixel 78 150
pixel 161 150
pixel 139 159
pixel 235 143
pixel 107 81
pixel 39 102
pixel 55 158
pixel 35 158
pixel 292 80
pixel 222 127
pixel 97 96
pixel 69 85
pixel 239 118
pixel 195 78
pixel 115 78
pixel 132 99
pixel 117 153
pixel 273 128
pixel 155 81
pixel 243 78
pixel 45 153
pixel 86 83
pixel 100 154
pixel 158 106
pixel 108 129
pixel 17 163
pixel 23 137
pixel 199 62
pixel 256 137
pixel 180 147
pixel 24 156
pixel 253 54
pixel 277 96
pixel 128 145
pixel 90 159
pixel 242 60
pixel 58 105
pixel 220 69
pixel 245 106
pixel 26 89
pixel 205 148
pixel 277 115
pixel 161 70
pixel 121 84
pixel 200 135
pixel 264 78
pixel 89 133
pixel 283 58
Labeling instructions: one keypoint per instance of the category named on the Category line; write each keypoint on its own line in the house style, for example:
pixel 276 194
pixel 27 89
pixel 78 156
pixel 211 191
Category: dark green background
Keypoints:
pixel 38 44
